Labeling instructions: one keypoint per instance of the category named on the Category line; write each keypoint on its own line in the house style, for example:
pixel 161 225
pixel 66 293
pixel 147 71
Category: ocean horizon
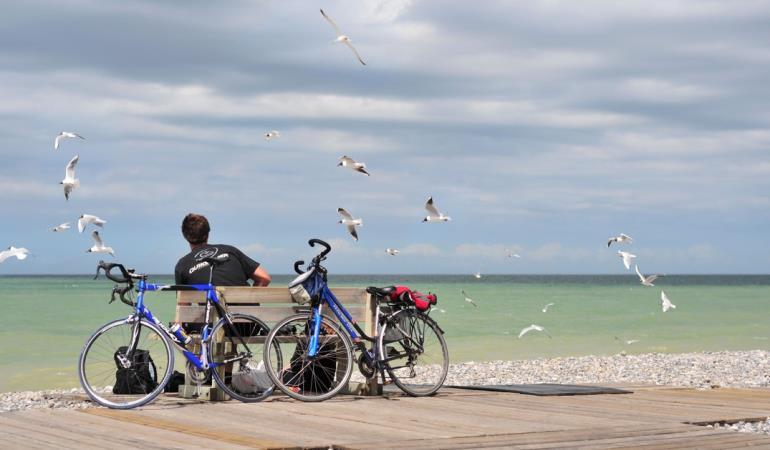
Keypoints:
pixel 49 317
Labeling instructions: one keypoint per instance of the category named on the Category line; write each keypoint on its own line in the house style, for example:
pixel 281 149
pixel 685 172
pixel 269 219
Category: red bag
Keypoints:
pixel 407 296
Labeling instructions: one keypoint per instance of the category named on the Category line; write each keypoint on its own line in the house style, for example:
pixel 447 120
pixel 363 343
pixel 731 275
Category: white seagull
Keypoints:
pixel 469 300
pixel 85 219
pixel 391 251
pixel 628 342
pixel 19 253
pixel 350 222
pixel 433 214
pixel 350 163
pixel 665 303
pixel 341 37
pixel 61 227
pixel 646 280
pixel 533 327
pixel 70 182
pixel 98 246
pixel 627 257
pixel 477 274
pixel 64 135
pixel 620 239
pixel 274 134
pixel 545 308
pixel 510 254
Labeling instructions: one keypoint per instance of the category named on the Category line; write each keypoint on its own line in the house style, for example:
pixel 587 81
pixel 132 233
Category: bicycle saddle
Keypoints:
pixel 382 292
pixel 214 261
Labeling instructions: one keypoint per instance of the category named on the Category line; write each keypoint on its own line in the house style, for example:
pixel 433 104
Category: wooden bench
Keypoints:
pixel 270 305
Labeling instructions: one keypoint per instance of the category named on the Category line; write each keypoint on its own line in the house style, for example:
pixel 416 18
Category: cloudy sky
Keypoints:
pixel 543 127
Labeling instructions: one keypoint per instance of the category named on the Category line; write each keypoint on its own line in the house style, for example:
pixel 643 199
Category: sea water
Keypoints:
pixel 45 320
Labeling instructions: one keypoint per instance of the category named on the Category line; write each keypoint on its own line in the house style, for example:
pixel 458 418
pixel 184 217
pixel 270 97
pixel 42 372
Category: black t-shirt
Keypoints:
pixel 236 271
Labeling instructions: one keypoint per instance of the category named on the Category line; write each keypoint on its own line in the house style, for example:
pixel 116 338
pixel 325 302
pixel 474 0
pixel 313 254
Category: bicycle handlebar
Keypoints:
pixel 107 267
pixel 296 266
pixel 324 252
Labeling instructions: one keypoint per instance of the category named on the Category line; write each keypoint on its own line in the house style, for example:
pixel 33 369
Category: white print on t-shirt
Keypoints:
pixel 206 253
pixel 201 265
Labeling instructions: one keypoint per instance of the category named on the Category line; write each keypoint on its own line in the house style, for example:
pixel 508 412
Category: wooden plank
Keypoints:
pixel 243 294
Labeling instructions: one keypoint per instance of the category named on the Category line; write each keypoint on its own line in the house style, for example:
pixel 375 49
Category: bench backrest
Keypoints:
pixel 271 304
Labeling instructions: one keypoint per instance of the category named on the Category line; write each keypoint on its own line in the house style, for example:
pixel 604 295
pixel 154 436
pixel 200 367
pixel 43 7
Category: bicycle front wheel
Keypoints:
pixel 415 354
pixel 237 348
pixel 310 379
pixel 116 379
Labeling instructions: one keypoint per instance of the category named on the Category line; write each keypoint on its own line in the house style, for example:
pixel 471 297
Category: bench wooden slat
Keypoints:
pixel 243 294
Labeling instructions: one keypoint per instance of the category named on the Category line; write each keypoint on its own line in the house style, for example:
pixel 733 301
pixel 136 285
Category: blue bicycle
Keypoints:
pixel 309 355
pixel 128 362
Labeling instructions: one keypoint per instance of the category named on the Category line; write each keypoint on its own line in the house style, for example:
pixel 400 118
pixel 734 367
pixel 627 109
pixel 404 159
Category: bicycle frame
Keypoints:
pixel 141 311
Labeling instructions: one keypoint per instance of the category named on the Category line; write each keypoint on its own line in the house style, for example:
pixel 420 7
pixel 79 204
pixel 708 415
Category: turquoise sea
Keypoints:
pixel 46 319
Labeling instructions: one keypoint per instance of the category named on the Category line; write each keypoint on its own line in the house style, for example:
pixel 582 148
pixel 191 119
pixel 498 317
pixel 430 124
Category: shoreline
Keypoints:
pixel 700 370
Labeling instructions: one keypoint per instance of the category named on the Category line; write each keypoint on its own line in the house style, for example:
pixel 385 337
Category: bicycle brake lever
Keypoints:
pixel 114 291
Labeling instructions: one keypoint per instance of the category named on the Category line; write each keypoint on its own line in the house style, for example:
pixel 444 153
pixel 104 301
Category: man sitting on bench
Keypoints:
pixel 236 269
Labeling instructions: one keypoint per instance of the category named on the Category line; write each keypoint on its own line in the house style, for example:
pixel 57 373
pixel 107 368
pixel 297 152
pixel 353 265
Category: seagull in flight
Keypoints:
pixel 433 214
pixel 20 253
pixel 628 342
pixel 70 182
pixel 627 257
pixel 477 275
pixel 61 227
pixel 620 239
pixel 665 303
pixel 469 300
pixel 350 222
pixel 391 251
pixel 85 219
pixel 510 254
pixel 646 280
pixel 99 246
pixel 341 37
pixel 533 327
pixel 274 134
pixel 545 308
pixel 350 163
pixel 64 135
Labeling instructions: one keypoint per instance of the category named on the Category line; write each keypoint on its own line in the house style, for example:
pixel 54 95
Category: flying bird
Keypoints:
pixel 477 275
pixel 20 253
pixel 350 222
pixel 627 257
pixel 510 254
pixel 469 300
pixel 64 135
pixel 341 37
pixel 628 342
pixel 620 239
pixel 391 251
pixel 433 214
pixel 70 182
pixel 99 246
pixel 646 280
pixel 61 227
pixel 85 219
pixel 665 303
pixel 274 134
pixel 350 163
pixel 545 308
pixel 533 327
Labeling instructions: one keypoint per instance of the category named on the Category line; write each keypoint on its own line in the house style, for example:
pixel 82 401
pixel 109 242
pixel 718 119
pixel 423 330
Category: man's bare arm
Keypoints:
pixel 261 277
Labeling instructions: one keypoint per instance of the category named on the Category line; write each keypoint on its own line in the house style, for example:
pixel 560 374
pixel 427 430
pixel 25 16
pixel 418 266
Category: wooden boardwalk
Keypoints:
pixel 650 418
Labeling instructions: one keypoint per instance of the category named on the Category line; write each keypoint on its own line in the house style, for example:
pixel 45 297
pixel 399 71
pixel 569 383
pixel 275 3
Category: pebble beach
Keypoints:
pixel 703 370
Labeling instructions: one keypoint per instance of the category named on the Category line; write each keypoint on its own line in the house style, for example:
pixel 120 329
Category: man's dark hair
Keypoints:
pixel 195 228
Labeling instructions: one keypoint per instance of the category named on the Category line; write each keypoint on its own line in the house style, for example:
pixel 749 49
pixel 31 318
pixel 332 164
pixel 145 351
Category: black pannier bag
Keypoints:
pixel 140 378
pixel 318 375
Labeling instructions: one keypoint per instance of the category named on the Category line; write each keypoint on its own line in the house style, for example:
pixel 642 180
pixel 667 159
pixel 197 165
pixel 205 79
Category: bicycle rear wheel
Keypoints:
pixel 294 372
pixel 413 349
pixel 238 351
pixel 114 379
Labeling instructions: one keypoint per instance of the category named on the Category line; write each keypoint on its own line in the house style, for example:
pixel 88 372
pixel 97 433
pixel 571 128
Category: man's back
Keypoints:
pixel 234 272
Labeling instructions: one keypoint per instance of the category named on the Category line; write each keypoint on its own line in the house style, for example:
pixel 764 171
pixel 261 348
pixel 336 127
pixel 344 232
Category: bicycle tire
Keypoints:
pixel 413 351
pixel 97 367
pixel 235 378
pixel 302 379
